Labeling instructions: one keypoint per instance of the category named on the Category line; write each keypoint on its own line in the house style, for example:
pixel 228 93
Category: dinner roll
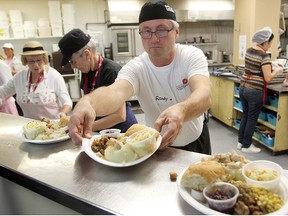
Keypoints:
pixel 199 175
pixel 134 128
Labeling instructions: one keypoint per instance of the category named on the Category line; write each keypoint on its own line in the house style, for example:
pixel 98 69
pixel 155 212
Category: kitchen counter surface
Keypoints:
pixel 65 174
pixel 277 88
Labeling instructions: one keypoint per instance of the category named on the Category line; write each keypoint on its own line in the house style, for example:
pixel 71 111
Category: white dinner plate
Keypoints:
pixel 49 141
pixel 203 207
pixel 86 144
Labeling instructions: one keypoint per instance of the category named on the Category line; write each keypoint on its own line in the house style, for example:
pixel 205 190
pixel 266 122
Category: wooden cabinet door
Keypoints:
pixel 281 135
pixel 222 100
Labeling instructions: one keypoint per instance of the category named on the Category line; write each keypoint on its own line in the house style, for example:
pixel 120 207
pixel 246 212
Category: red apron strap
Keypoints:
pixel 264 92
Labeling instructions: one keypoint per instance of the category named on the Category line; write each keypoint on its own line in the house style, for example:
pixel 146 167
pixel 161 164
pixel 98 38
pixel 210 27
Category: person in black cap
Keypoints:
pixel 80 50
pixel 170 80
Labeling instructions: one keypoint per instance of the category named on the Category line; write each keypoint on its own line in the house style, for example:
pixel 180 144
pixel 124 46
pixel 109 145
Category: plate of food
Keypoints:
pixel 128 149
pixel 46 131
pixel 195 178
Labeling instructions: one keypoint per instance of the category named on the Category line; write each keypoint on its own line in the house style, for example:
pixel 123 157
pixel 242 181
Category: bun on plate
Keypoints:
pixel 134 128
pixel 199 175
pixel 143 142
pixel 63 121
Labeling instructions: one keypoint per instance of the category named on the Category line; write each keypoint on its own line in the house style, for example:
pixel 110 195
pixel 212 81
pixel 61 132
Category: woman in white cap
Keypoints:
pixel 40 89
pixel 11 59
pixel 9 105
pixel 253 89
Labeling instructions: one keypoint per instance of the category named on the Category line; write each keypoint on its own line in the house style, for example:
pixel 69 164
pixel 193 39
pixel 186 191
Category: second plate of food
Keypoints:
pixel 87 143
pixel 204 208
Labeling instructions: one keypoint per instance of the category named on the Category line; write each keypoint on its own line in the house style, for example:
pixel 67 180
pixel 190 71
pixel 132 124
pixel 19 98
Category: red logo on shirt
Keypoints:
pixel 185 81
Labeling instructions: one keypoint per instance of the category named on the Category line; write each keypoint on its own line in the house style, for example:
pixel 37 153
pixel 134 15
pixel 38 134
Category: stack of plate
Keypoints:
pixel 4 25
pixel 30 29
pixel 16 23
pixel 44 28
pixel 68 13
pixel 55 18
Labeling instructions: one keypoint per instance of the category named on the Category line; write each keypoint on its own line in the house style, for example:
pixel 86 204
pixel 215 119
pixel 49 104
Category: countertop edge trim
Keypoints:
pixel 61 197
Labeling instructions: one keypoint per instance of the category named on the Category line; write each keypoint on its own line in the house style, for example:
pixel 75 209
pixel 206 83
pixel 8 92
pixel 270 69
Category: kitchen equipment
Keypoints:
pixel 126 43
pixel 226 57
pixel 56 62
pixel 217 56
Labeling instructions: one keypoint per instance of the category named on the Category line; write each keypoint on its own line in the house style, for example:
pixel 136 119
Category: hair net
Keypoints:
pixel 262 35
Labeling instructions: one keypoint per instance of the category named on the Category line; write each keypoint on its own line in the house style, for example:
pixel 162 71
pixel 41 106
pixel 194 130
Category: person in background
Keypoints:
pixel 285 82
pixel 11 59
pixel 40 89
pixel 80 50
pixel 8 106
pixel 171 82
pixel 253 88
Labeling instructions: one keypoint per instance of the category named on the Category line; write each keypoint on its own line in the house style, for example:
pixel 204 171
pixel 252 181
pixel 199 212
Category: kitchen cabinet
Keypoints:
pixel 222 100
pixel 280 142
pixel 226 109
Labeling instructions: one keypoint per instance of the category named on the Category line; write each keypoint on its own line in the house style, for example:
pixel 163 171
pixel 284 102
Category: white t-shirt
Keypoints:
pixel 15 63
pixel 46 101
pixel 5 73
pixel 157 88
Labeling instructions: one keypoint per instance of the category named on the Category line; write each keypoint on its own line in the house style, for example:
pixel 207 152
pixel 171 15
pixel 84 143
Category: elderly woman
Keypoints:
pixel 40 89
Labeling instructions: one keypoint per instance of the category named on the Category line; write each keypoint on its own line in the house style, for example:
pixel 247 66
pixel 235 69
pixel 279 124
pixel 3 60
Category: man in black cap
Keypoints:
pixel 80 50
pixel 171 82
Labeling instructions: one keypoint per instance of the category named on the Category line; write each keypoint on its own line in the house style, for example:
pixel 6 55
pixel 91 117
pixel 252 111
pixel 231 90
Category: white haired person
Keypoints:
pixel 253 88
pixel 40 89
pixel 171 82
pixel 80 51
pixel 8 104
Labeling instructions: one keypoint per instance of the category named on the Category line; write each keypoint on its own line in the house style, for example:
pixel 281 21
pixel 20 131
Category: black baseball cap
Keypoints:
pixel 73 41
pixel 156 10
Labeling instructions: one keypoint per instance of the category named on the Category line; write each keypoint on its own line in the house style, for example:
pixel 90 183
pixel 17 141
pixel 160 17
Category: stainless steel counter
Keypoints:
pixel 64 173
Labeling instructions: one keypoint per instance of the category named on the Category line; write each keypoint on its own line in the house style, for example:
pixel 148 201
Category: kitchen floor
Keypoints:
pixel 224 139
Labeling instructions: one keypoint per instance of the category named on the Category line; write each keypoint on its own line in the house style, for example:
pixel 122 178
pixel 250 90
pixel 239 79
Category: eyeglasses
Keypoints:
pixel 73 61
pixel 33 61
pixel 158 33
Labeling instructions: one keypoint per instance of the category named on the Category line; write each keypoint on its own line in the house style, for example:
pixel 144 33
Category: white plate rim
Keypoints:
pixel 49 141
pixel 186 195
pixel 86 145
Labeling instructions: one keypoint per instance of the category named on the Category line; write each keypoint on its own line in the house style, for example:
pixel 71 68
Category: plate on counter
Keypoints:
pixel 203 207
pixel 49 141
pixel 86 145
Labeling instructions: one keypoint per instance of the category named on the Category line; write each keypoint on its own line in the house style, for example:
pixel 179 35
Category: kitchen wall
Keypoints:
pixel 91 13
pixel 221 31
